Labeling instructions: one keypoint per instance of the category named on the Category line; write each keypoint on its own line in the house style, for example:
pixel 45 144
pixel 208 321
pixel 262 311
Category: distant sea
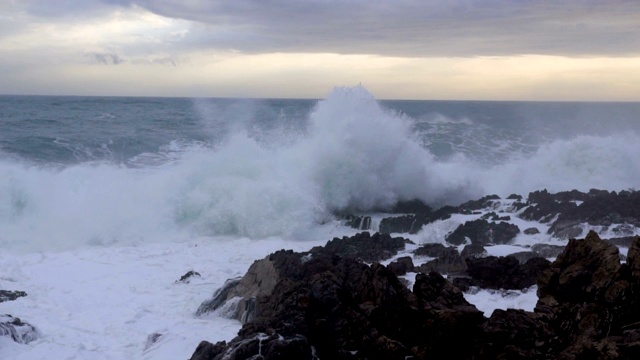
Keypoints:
pixel 78 171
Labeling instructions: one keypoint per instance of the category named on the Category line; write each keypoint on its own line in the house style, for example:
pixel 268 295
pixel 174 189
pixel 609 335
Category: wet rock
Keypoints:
pixel 483 232
pixel 505 272
pixel 8 295
pixel 524 256
pixel 547 250
pixel 401 266
pixel 186 278
pixel 531 231
pixel 473 251
pixel 515 197
pixel 359 222
pixel 369 248
pixel 480 204
pixel 432 250
pixel 19 331
pixel 516 334
pixel 448 262
pixel 402 224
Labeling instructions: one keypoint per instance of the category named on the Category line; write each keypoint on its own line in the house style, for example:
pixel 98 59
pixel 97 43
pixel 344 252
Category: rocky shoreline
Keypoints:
pixel 340 302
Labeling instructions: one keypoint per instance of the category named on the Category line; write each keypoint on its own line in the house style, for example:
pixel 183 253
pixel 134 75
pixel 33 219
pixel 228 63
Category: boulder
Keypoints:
pixel 18 330
pixel 483 232
pixel 8 295
pixel 401 266
pixel 505 272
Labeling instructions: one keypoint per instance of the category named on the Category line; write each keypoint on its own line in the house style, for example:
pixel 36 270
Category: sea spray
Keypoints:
pixel 244 176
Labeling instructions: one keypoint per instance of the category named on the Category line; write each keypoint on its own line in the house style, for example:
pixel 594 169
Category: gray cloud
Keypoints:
pixel 105 58
pixel 409 27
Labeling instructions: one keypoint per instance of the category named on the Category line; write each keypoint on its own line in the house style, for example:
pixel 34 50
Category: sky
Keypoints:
pixel 583 50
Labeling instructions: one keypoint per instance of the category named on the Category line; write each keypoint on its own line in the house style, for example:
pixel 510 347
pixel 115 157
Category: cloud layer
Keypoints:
pixel 464 47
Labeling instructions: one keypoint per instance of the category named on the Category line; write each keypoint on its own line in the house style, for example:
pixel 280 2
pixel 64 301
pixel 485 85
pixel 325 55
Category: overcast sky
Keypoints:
pixel 417 49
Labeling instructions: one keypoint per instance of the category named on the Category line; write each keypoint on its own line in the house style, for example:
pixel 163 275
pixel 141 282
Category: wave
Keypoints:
pixel 355 155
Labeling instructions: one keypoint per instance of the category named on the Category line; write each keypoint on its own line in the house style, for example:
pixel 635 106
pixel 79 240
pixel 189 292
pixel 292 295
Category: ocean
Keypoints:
pixel 120 170
pixel 106 201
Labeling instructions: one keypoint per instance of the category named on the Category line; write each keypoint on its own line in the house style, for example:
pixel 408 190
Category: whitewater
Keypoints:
pixel 106 202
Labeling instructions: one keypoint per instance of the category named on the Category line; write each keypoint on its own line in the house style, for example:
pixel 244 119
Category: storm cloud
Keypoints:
pixel 413 28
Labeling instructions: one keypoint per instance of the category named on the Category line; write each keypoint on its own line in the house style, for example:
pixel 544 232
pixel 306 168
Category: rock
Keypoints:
pixel 345 309
pixel 480 204
pixel 432 250
pixel 401 224
pixel 515 197
pixel 516 334
pixel 505 272
pixel 186 278
pixel 19 331
pixel 358 222
pixel 524 256
pixel 7 295
pixel 482 232
pixel 369 248
pixel 449 262
pixel 401 266
pixel 151 340
pixel 547 250
pixel 531 231
pixel 473 251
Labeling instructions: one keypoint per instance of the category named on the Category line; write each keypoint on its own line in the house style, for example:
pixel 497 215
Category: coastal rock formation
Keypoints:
pixel 321 304
pixel 483 232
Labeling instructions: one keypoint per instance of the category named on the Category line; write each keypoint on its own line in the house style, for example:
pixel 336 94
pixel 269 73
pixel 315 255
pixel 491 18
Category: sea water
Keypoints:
pixel 118 170
pixel 106 202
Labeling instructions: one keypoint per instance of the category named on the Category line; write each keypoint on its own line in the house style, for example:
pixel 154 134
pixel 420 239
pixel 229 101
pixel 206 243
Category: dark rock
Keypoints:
pixel 495 217
pixel 7 295
pixel 531 231
pixel 369 248
pixel 401 266
pixel 186 278
pixel 516 334
pixel 483 232
pixel 622 241
pixel 432 250
pixel 515 197
pixel 151 340
pixel 547 250
pixel 358 222
pixel 402 224
pixel 524 256
pixel 473 251
pixel 449 262
pixel 505 272
pixel 479 204
pixel 19 331
pixel 567 229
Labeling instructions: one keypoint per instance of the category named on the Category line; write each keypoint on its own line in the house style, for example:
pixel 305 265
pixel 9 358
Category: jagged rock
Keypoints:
pixel 402 224
pixel 622 241
pixel 264 274
pixel 547 250
pixel 516 334
pixel 186 278
pixel 524 256
pixel 566 229
pixel 531 231
pixel 592 299
pixel 479 204
pixel 151 340
pixel 515 197
pixel 450 263
pixel 358 222
pixel 473 251
pixel 19 331
pixel 8 295
pixel 431 250
pixel 401 266
pixel 369 248
pixel 505 272
pixel 347 310
pixel 483 232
